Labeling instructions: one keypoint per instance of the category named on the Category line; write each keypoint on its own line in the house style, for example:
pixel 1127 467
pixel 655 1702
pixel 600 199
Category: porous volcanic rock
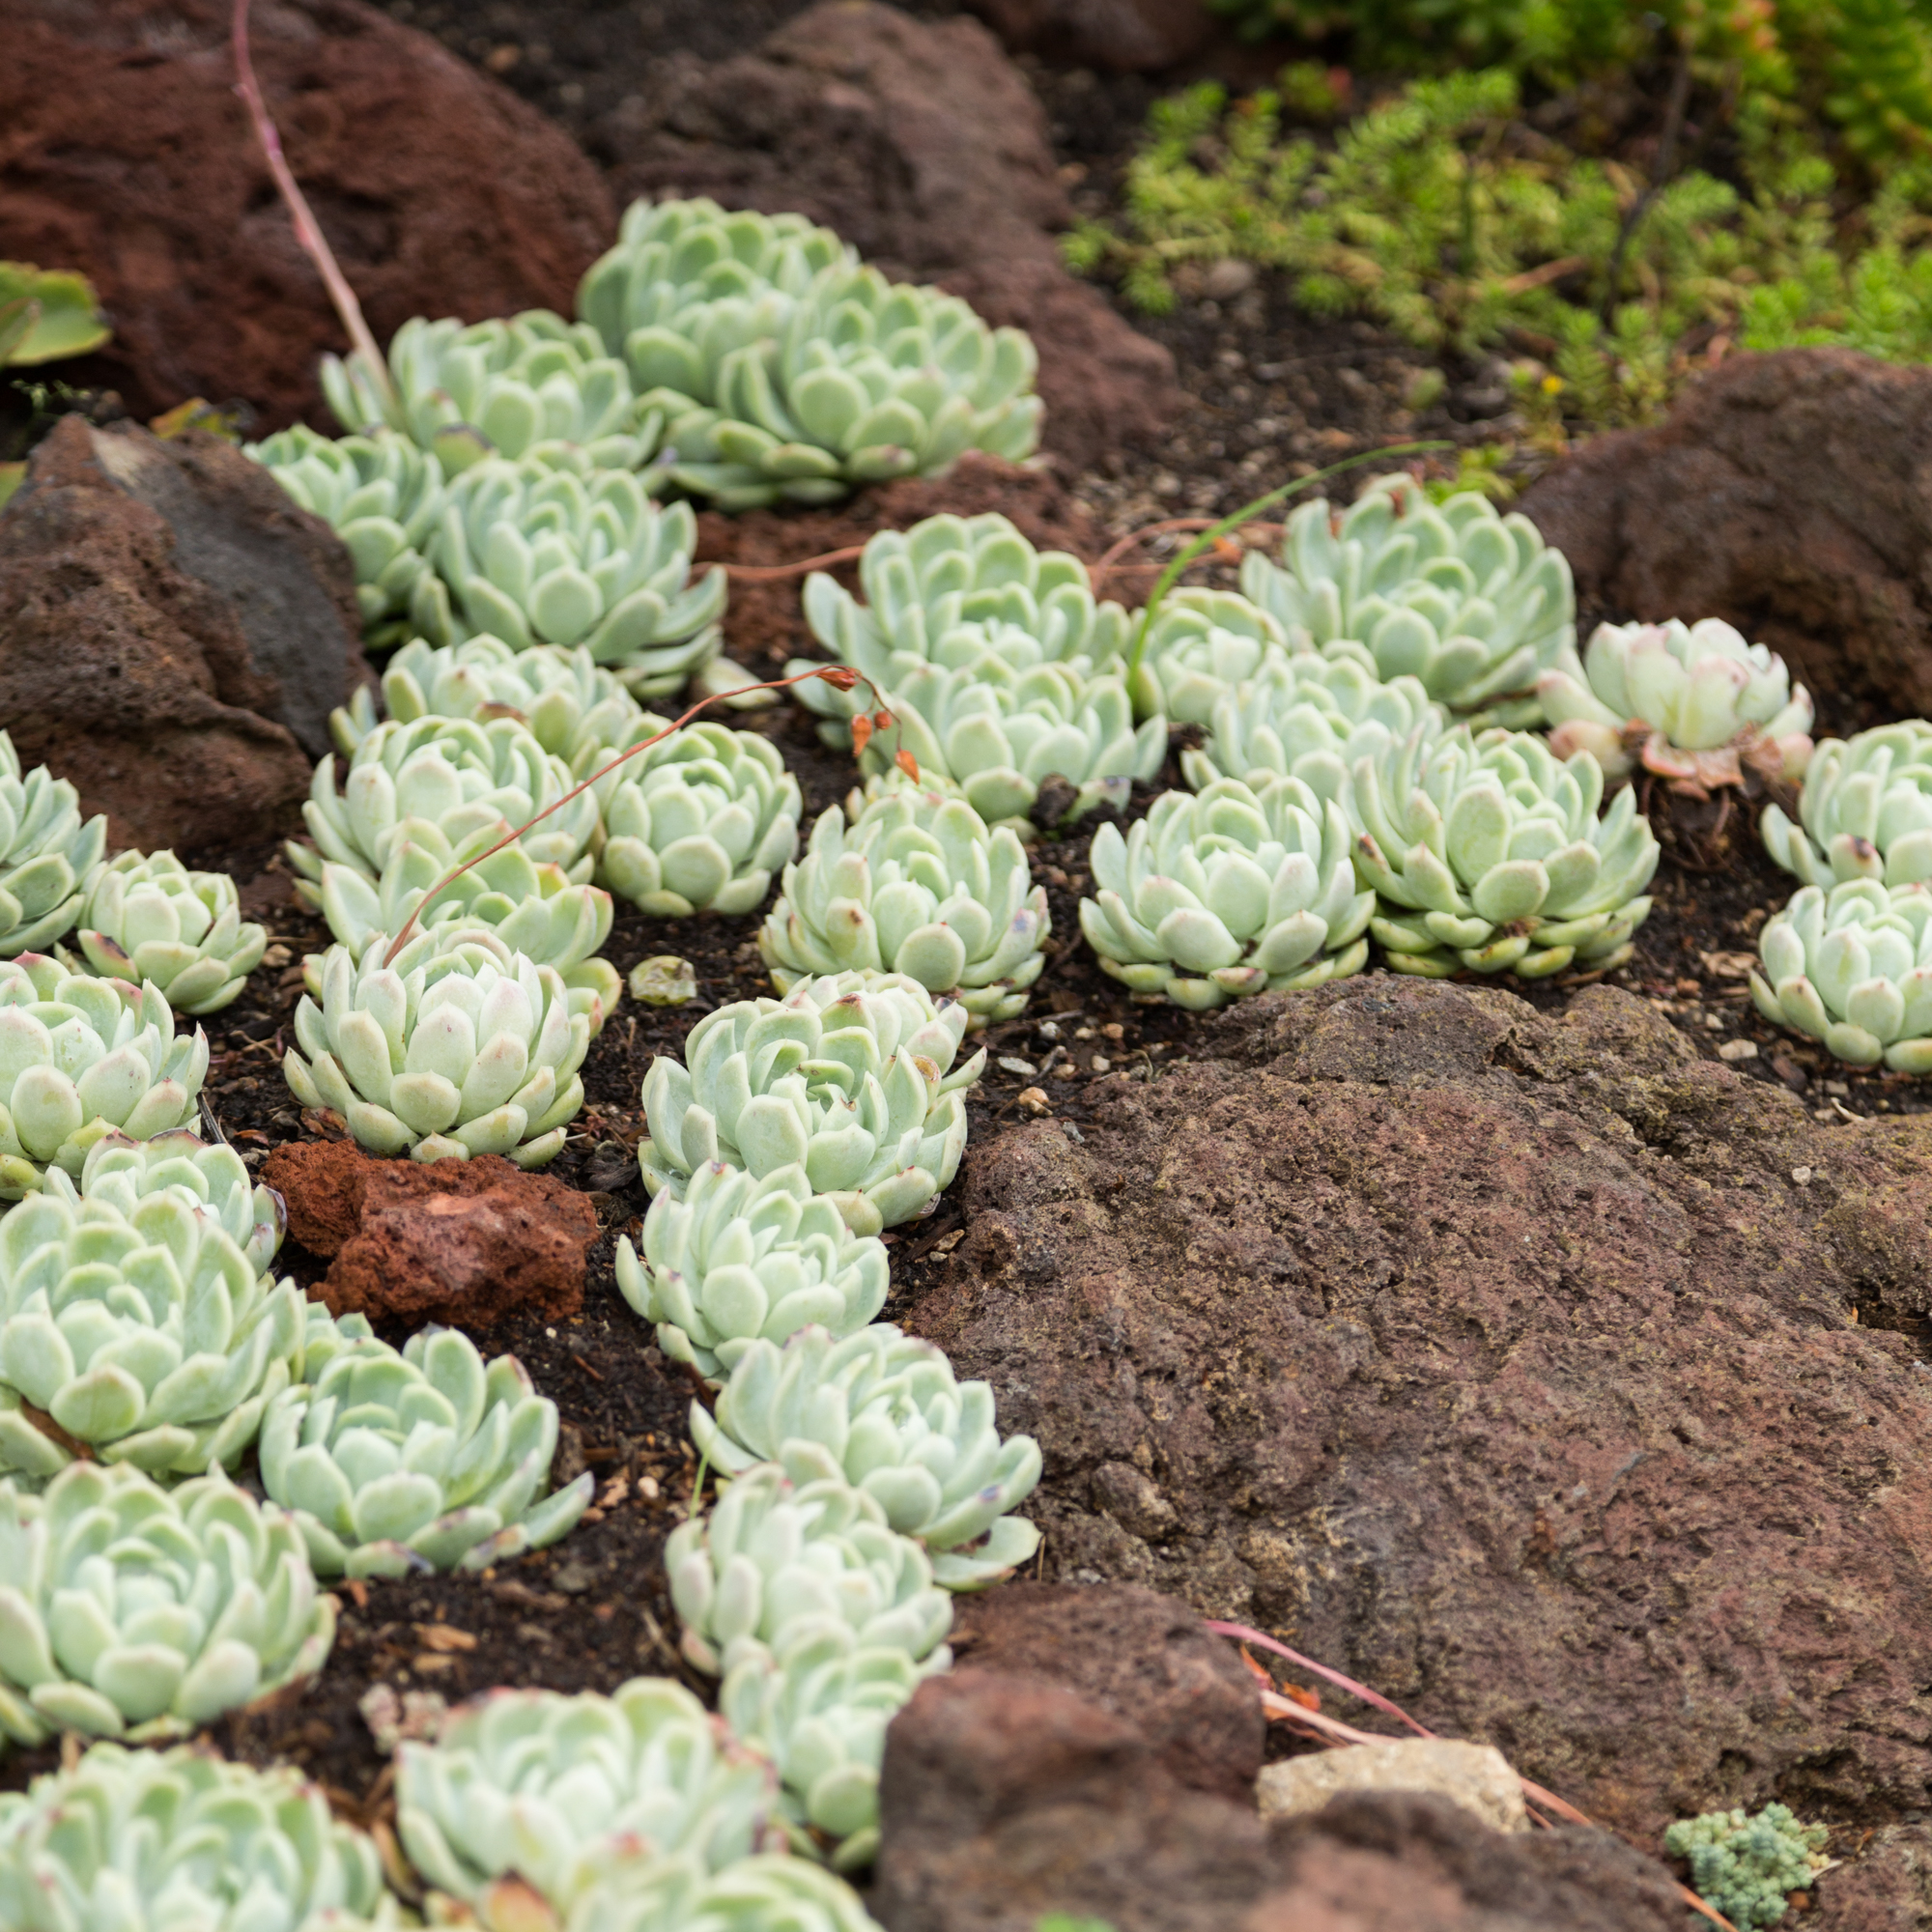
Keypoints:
pixel 1519 1366
pixel 129 155
pixel 173 628
pixel 465 1243
pixel 1787 493
pixel 921 144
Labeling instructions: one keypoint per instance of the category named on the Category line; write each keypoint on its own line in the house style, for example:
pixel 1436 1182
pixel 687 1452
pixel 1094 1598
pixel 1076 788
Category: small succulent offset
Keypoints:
pixel 530 1789
pixel 921 887
pixel 850 1077
pixel 47 853
pixel 882 1409
pixel 1864 813
pixel 80 1057
pixel 1198 645
pixel 765 1893
pixel 124 1172
pixel 147 916
pixel 131 1609
pixel 419 1460
pixel 1473 604
pixel 161 1842
pixel 1228 893
pixel 532 553
pixel 774 1561
pixel 1748 1867
pixel 460 1048
pixel 1488 853
pixel 1691 702
pixel 742 1259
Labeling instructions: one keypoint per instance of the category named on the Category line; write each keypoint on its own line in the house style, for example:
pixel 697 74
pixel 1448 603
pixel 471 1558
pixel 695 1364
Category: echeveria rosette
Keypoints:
pixel 124 1172
pixel 697 822
pixel 80 1057
pixel 1864 813
pixel 1473 604
pixel 164 1841
pixel 1200 645
pixel 1691 702
pixel 528 1797
pixel 850 1077
pixel 741 1259
pixel 510 385
pixel 534 554
pixel 1853 967
pixel 1224 893
pixel 882 1409
pixel 126 1609
pixel 47 853
pixel 765 1893
pixel 1488 853
pixel 460 1048
pixel 774 1561
pixel 918 885
pixel 147 916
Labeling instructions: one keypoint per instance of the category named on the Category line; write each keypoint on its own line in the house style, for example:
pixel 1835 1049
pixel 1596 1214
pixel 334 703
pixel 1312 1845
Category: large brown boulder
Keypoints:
pixel 128 155
pixel 1518 1366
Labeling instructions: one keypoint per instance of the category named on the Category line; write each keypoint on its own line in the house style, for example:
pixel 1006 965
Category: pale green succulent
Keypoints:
pixel 533 909
pixel 460 1048
pixel 1200 645
pixel 149 1336
pixel 124 1172
pixel 699 821
pixel 1852 966
pixel 1473 604
pixel 47 853
pixel 148 918
pixel 882 1409
pixel 509 386
pixel 391 1463
pixel 79 1057
pixel 775 1561
pixel 850 1077
pixel 381 494
pixel 533 552
pixel 756 1894
pixel 1224 893
pixel 1488 853
pixel 1686 701
pixel 1864 813
pixel 742 1258
pixel 533 1789
pixel 460 774
pixel 129 1610
pixel 820 1711
pixel 921 887
pixel 178 1841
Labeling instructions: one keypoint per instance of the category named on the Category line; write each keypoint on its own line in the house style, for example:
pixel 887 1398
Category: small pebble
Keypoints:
pixel 1738 1049
pixel 1013 1063
pixel 1801 1177
pixel 666 980
pixel 1033 1100
pixel 1101 1063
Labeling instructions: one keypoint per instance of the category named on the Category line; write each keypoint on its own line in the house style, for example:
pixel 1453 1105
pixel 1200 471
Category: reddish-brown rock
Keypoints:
pixel 465 1243
pixel 1787 493
pixel 128 155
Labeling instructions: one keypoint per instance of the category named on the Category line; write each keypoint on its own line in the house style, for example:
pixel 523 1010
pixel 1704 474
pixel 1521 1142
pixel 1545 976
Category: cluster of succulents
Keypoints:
pixel 1748 1866
pixel 47 853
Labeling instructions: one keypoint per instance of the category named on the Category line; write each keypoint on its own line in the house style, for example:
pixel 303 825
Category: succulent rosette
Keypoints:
pixel 47 853
pixel 163 1841
pixel 510 385
pixel 1473 604
pixel 741 1259
pixel 147 916
pixel 124 1172
pixel 129 1610
pixel 1692 703
pixel 850 1077
pixel 918 885
pixel 882 1409
pixel 533 552
pixel 1200 645
pixel 1488 853
pixel 533 1789
pixel 757 1894
pixel 460 1048
pixel 775 1560
pixel 1864 813
pixel 80 1057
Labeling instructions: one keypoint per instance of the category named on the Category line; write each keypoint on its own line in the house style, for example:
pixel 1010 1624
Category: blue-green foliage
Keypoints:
pixel 1748 1867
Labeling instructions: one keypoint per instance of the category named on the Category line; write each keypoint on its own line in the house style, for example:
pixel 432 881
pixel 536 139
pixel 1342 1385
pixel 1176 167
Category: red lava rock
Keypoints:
pixel 465 1243
pixel 1117 36
pixel 1786 494
pixel 129 155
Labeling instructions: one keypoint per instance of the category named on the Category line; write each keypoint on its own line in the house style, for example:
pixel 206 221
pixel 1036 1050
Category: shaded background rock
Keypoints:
pixel 129 155
pixel 1117 36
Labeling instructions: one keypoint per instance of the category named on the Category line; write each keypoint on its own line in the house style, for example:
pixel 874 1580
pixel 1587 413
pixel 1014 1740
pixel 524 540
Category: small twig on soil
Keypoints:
pixel 765 573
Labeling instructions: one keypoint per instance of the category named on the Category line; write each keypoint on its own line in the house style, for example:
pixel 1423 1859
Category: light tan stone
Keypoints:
pixel 1476 1776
